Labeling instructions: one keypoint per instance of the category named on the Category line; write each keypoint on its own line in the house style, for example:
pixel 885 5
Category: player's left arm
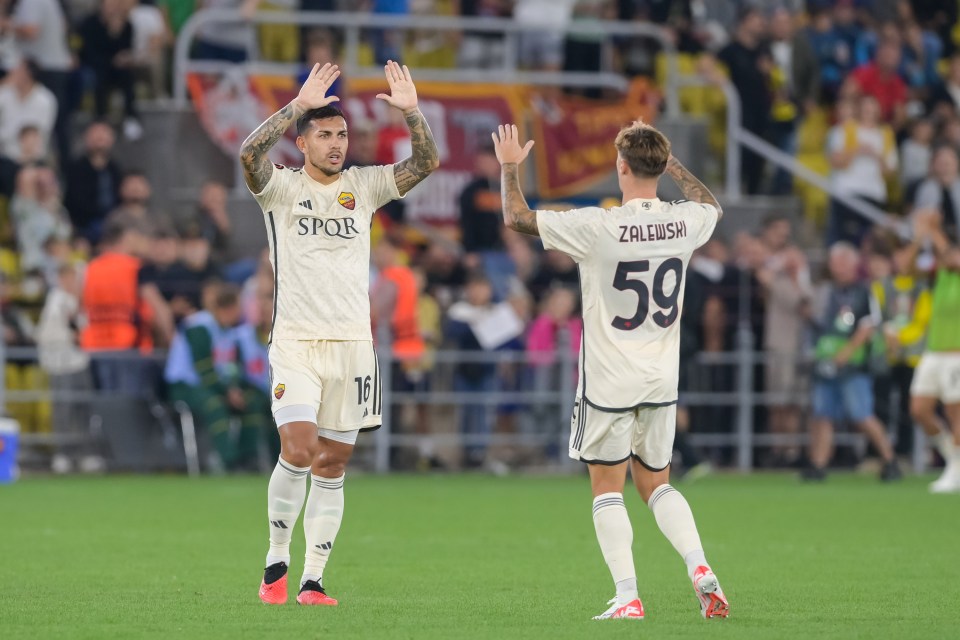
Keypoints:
pixel 425 157
pixel 517 215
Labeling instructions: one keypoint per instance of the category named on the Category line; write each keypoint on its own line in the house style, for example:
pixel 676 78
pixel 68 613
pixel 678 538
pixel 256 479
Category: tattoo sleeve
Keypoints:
pixel 425 158
pixel 516 213
pixel 690 186
pixel 253 152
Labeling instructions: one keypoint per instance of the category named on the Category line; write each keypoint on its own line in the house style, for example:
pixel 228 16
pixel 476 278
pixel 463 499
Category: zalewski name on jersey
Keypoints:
pixel 632 298
pixel 317 244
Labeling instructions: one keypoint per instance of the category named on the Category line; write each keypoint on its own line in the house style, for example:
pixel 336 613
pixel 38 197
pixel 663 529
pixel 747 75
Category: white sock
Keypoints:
pixel 285 495
pixel 321 521
pixel 675 520
pixel 943 442
pixel 616 539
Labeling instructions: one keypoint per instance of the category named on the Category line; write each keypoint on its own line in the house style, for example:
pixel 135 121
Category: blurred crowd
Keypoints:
pixel 865 91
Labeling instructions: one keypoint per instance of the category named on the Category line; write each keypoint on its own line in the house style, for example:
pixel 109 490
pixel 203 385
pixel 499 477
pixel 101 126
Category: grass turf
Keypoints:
pixel 471 556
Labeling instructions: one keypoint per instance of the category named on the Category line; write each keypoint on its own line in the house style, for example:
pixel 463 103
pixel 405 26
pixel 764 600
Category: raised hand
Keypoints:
pixel 313 93
pixel 403 93
pixel 506 144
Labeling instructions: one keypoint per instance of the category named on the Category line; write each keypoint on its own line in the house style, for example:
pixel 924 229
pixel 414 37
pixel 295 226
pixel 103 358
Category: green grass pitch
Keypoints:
pixel 475 557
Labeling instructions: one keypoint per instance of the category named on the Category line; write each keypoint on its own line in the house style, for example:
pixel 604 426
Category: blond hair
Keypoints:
pixel 644 149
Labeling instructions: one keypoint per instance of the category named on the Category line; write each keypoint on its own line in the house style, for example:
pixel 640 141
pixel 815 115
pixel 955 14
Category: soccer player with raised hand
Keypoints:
pixel 324 371
pixel 937 376
pixel 632 261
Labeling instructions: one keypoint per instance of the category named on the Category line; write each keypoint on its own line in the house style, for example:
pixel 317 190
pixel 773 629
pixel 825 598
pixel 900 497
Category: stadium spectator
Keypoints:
pixel 472 376
pixel 833 53
pixel 93 182
pixel 394 308
pixel 843 321
pixel 322 47
pixel 164 270
pixel 278 42
pixel 795 80
pixel 29 154
pixel 482 49
pixel 431 48
pixel 556 268
pixel 863 154
pixel 9 53
pixel 177 12
pixel 557 326
pixel 942 190
pixel 20 370
pixel 121 311
pixel 916 153
pixel 151 38
pixel 25 103
pixel 205 370
pixel 37 215
pixel 481 225
pixel 945 97
pixel 195 252
pixel 224 41
pixel 135 193
pixel 881 80
pixel 749 64
pixel 42 30
pixel 107 53
pixel 583 46
pixel 787 287
pixel 68 369
pixel 541 48
pixel 904 302
pixel 921 53
pixel 214 219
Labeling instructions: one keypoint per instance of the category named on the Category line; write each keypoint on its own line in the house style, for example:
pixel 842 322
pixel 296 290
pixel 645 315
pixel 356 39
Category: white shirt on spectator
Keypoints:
pixel 148 25
pixel 56 338
pixel 864 175
pixel 49 49
pixel 38 108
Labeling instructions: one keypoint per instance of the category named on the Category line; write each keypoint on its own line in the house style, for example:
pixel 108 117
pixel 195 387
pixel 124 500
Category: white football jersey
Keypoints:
pixel 632 263
pixel 319 241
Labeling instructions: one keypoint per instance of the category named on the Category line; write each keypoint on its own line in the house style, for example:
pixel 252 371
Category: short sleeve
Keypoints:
pixel 573 232
pixel 378 183
pixel 704 218
pixel 835 140
pixel 279 187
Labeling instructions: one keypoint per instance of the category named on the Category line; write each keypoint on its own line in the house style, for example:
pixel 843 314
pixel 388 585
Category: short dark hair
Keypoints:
pixel 644 149
pixel 322 113
pixel 227 296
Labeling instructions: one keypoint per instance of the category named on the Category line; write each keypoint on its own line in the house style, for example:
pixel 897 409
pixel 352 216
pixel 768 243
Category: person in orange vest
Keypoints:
pixel 120 312
pixel 394 314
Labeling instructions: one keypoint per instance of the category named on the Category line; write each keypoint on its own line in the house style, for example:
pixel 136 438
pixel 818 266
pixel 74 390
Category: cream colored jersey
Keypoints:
pixel 319 241
pixel 632 263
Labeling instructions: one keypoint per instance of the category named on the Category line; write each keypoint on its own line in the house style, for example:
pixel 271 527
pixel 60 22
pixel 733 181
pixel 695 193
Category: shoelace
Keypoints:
pixel 312 585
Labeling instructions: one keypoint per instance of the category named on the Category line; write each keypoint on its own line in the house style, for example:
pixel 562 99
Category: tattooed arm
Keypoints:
pixel 691 188
pixel 257 168
pixel 425 158
pixel 516 213
pixel 403 95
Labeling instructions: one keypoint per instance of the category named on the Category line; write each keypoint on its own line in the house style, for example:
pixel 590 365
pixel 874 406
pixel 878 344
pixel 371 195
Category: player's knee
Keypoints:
pixel 299 453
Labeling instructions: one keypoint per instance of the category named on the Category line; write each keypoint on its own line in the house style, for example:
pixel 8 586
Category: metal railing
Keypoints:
pixel 354 24
pixel 555 402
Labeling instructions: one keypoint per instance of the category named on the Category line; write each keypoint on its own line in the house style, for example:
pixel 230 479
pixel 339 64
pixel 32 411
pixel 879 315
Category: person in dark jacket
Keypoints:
pixel 93 182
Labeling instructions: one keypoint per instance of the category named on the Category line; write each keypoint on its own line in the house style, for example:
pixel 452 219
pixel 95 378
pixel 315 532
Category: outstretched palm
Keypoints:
pixel 506 144
pixel 403 93
pixel 313 93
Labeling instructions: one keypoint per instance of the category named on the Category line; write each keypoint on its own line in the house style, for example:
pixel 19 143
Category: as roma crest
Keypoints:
pixel 278 391
pixel 347 200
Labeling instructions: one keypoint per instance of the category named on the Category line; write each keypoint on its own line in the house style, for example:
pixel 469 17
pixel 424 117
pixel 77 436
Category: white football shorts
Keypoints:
pixel 938 376
pixel 603 437
pixel 335 384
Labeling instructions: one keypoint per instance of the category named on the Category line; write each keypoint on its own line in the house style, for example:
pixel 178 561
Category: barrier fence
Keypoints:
pixel 535 395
